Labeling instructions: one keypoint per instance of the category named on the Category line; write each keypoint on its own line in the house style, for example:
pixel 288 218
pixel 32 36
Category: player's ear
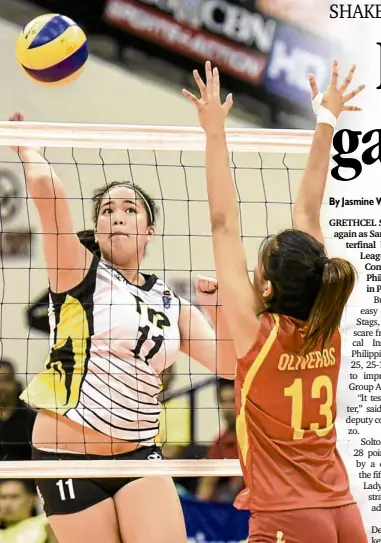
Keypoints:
pixel 268 290
pixel 150 232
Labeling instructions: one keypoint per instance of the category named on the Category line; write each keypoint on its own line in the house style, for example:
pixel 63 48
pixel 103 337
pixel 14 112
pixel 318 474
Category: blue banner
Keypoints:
pixel 209 522
pixel 294 55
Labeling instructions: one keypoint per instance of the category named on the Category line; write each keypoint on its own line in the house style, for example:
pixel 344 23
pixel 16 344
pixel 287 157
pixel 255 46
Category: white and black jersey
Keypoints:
pixel 110 340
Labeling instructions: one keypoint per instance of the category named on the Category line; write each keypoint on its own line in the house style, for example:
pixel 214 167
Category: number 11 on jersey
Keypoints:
pixel 70 489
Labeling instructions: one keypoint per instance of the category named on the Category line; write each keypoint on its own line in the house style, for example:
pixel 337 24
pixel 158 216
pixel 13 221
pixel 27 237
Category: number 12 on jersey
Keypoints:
pixel 295 392
pixel 152 317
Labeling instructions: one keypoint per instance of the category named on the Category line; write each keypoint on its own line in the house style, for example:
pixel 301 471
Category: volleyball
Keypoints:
pixel 52 49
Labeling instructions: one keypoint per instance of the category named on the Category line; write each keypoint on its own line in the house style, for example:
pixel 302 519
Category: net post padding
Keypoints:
pixel 145 137
pixel 84 469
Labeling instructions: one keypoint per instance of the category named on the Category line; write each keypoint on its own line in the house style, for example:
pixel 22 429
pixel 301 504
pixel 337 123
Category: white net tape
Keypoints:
pixel 83 469
pixel 170 138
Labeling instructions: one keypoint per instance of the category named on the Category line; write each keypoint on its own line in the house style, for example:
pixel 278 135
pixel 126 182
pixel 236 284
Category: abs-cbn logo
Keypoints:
pixel 222 18
pixel 294 55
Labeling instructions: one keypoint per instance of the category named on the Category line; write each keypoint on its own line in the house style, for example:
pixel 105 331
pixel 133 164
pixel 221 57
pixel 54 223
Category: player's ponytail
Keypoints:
pixel 338 280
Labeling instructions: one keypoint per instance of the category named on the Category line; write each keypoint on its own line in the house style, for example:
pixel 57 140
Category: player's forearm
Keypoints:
pixel 222 198
pixel 312 186
pixel 42 181
pixel 225 355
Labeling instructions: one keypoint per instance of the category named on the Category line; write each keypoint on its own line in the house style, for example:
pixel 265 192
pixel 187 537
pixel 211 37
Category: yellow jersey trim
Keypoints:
pixel 241 426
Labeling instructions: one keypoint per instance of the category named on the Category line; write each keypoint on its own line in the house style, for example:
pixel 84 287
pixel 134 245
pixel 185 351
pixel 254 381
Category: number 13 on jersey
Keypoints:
pixel 322 385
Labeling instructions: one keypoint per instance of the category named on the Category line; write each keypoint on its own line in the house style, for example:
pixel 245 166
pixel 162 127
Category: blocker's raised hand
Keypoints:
pixel 336 97
pixel 211 111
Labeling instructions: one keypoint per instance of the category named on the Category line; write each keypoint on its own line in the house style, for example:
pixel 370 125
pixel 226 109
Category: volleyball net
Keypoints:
pixel 167 162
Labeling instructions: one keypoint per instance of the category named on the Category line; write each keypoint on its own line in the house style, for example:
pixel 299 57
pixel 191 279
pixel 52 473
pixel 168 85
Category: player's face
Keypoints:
pixel 15 502
pixel 122 227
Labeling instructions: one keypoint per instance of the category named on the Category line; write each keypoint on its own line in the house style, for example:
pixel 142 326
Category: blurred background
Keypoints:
pixel 264 49
pixel 142 55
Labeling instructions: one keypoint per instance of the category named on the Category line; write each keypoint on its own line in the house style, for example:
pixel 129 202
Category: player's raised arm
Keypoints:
pixel 306 213
pixel 66 258
pixel 237 294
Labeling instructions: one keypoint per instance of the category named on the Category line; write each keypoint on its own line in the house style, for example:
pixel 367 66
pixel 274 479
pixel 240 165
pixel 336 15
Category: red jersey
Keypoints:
pixel 286 421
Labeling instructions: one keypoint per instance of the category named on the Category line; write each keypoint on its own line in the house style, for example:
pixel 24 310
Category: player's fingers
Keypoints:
pixel 200 83
pixel 351 108
pixel 206 284
pixel 313 86
pixel 216 82
pixel 353 93
pixel 335 73
pixel 191 97
pixel 228 103
pixel 348 79
pixel 212 285
pixel 16 116
pixel 209 77
pixel 200 283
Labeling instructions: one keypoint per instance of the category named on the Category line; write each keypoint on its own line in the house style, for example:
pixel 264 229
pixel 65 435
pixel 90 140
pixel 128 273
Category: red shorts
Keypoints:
pixel 331 525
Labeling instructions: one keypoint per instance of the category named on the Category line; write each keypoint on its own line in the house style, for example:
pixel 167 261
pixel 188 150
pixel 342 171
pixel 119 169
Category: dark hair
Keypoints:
pixel 8 364
pixel 87 237
pixel 149 203
pixel 306 284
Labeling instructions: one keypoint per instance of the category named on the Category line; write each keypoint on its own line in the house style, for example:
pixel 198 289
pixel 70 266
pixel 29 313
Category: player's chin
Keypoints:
pixel 120 246
pixel 121 240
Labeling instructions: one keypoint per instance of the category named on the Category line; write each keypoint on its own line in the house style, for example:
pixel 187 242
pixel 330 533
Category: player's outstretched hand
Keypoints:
pixel 211 111
pixel 206 291
pixel 21 151
pixel 336 97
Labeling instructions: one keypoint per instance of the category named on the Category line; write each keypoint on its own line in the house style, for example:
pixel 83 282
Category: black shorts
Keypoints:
pixel 65 496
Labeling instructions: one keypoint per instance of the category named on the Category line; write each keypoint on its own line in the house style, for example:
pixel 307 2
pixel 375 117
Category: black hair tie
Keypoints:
pixel 321 263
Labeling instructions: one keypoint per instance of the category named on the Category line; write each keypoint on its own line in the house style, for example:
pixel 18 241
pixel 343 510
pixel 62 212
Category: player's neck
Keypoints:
pixel 133 276
pixel 129 270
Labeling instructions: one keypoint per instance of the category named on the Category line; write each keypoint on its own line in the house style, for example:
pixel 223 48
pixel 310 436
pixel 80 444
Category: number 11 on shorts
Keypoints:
pixel 70 488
